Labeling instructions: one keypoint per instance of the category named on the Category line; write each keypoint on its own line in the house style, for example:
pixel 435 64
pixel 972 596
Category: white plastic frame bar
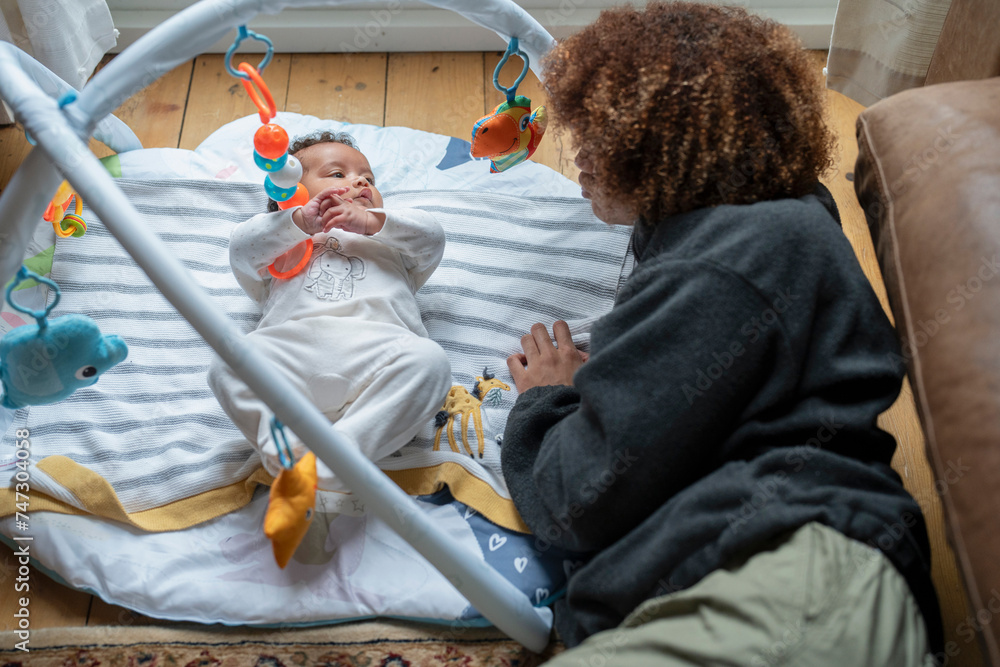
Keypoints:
pixel 192 31
pixel 60 132
pixel 110 130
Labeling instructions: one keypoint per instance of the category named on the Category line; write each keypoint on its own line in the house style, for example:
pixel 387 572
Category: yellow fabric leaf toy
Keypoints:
pixel 290 508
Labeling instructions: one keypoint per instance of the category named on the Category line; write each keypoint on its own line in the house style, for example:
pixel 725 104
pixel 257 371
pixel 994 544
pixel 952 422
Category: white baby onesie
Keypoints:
pixel 345 331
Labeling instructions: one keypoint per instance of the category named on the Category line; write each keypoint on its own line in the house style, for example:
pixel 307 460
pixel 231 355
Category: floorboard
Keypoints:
pixel 435 92
pixel 50 605
pixel 345 87
pixel 13 149
pixel 156 113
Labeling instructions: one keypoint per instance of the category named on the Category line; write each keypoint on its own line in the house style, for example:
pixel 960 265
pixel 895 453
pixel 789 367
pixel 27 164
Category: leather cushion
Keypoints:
pixel 928 178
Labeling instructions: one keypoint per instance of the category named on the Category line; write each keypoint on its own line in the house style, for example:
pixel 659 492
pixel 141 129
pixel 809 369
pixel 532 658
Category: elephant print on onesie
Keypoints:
pixel 332 273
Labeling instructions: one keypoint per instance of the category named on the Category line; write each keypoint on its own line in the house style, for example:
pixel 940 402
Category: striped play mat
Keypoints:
pixel 152 428
pixel 135 467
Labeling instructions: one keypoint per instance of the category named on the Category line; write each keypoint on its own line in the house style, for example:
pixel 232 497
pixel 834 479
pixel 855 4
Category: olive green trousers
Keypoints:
pixel 814 598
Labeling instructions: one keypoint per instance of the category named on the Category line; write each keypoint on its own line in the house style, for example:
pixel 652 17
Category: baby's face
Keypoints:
pixel 333 165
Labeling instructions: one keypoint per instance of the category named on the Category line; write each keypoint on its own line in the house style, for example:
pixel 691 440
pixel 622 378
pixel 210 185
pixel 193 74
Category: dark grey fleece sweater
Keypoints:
pixel 731 396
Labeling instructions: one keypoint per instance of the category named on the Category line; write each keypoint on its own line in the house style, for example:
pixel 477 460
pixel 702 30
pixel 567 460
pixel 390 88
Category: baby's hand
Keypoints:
pixel 309 218
pixel 343 213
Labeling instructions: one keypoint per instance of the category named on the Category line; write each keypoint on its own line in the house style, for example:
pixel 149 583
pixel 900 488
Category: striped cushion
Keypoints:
pixel 152 427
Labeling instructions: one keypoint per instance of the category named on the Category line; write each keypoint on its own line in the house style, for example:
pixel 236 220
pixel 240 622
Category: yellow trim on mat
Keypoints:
pixel 465 487
pixel 98 497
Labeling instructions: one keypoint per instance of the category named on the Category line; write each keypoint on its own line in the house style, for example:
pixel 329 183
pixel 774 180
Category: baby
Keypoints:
pixel 345 330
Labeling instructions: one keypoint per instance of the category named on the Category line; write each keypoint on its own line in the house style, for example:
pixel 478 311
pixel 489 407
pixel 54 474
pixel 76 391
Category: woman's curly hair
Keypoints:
pixel 685 106
pixel 318 137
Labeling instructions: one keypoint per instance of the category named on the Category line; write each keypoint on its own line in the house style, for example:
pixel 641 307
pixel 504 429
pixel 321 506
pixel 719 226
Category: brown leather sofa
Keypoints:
pixel 928 179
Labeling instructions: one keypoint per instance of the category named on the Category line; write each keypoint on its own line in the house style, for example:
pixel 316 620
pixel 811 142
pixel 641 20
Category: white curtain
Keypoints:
pixel 67 36
pixel 880 47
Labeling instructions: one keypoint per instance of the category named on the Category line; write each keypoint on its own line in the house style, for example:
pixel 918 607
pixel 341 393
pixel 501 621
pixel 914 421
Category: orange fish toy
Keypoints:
pixel 510 134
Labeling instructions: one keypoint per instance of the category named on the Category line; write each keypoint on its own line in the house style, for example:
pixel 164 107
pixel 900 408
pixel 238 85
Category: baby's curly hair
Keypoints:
pixel 685 106
pixel 318 137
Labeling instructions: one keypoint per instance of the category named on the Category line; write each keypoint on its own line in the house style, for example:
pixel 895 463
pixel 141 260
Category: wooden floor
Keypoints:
pixel 443 93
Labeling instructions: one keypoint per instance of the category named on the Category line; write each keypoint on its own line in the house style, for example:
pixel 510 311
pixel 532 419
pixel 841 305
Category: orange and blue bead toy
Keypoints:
pixel 270 143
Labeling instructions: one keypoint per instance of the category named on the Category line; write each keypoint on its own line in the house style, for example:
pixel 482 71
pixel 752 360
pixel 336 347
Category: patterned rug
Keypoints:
pixel 365 644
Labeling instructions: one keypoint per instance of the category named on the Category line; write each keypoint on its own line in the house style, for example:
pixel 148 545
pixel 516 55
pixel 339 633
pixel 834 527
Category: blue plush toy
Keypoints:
pixel 46 362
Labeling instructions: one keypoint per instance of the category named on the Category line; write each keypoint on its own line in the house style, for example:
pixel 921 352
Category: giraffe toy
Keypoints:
pixel 461 402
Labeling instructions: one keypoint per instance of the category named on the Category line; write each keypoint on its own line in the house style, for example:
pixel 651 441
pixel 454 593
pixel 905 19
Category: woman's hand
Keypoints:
pixel 543 363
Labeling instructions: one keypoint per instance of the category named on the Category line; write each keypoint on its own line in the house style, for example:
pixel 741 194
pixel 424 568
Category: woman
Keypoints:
pixel 718 452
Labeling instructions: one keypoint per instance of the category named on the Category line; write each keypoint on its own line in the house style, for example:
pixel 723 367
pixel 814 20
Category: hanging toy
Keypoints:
pixel 46 362
pixel 510 134
pixel 65 224
pixel 270 144
pixel 292 501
